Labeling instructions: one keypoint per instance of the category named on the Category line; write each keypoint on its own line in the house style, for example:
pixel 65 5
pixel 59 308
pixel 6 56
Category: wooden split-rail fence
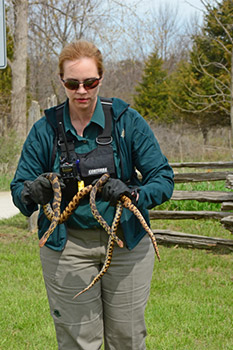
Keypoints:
pixel 179 238
pixel 225 216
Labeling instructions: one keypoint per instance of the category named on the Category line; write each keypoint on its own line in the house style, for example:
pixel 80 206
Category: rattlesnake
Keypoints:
pixel 54 215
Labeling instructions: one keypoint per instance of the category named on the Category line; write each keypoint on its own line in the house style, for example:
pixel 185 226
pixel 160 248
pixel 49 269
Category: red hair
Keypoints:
pixel 80 49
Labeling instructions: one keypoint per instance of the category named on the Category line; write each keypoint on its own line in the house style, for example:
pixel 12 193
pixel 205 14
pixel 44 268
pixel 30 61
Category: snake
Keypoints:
pixel 55 205
pixel 110 230
pixel 73 204
pixel 56 217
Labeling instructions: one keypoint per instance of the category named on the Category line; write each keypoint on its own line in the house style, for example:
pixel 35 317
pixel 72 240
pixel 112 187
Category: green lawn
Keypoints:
pixel 190 305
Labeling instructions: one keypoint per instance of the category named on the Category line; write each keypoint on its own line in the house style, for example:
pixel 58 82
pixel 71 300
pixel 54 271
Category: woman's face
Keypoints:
pixel 81 69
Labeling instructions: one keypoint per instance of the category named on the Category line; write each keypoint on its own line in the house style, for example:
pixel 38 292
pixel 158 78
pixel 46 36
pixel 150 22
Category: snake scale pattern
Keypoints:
pixel 54 215
pixel 110 230
pixel 55 205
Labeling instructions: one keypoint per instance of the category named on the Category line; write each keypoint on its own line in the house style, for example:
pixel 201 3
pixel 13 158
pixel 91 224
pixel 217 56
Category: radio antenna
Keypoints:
pixel 64 139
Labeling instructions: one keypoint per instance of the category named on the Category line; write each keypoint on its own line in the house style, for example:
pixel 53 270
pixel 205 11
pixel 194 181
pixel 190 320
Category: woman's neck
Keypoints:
pixel 80 118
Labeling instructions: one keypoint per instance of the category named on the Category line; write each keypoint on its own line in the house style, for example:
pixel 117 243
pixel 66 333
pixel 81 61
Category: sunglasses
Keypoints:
pixel 88 84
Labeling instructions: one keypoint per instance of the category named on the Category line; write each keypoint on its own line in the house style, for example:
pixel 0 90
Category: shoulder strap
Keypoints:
pixel 106 137
pixel 59 117
pixel 59 112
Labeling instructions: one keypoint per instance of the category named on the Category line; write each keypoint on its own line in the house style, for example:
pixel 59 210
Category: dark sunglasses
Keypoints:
pixel 88 84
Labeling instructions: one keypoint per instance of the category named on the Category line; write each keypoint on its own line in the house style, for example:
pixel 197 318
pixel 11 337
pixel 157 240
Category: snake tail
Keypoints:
pixel 104 267
pixel 127 203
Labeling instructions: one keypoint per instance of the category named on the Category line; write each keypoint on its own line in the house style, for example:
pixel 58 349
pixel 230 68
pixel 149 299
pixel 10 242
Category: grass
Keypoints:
pixel 25 319
pixel 5 181
pixel 190 305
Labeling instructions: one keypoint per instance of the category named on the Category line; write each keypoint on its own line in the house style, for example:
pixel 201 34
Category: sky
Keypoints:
pixel 186 8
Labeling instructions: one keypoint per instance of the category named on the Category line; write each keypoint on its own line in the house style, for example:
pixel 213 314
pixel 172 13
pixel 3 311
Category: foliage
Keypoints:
pixel 197 91
pixel 5 74
pixel 181 79
pixel 204 83
pixel 195 205
pixel 151 99
pixel 5 79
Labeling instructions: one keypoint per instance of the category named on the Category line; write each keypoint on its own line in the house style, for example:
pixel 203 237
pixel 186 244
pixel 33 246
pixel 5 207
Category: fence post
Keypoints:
pixel 33 115
pixel 51 101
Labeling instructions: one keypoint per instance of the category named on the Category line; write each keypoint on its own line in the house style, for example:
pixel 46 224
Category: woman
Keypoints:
pixel 114 307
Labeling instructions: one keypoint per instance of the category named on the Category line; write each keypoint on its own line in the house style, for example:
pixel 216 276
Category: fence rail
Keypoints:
pixel 206 165
pixel 223 197
pixel 199 177
pixel 187 215
pixel 168 237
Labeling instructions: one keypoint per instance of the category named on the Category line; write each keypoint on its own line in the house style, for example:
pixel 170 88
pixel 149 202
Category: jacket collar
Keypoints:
pixel 119 107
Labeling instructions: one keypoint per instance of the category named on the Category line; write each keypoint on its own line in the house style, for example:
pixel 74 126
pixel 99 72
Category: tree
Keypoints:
pixel 53 23
pixel 5 86
pixel 163 29
pixel 207 84
pixel 18 67
pixel 152 98
pixel 120 78
pixel 41 32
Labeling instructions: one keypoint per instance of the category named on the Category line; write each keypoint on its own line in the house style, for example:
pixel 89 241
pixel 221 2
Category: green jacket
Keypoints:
pixel 137 149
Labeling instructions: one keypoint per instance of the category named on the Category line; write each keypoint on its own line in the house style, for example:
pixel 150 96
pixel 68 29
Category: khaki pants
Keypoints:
pixel 114 307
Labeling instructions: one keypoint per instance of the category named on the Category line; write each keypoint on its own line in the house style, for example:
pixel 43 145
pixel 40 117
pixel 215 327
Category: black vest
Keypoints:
pixel 88 167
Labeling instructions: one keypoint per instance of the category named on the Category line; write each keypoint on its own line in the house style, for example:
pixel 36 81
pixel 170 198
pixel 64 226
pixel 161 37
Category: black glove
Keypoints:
pixel 39 191
pixel 113 189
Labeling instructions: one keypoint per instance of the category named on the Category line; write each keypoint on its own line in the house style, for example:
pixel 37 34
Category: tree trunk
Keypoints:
pixel 231 112
pixel 19 68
